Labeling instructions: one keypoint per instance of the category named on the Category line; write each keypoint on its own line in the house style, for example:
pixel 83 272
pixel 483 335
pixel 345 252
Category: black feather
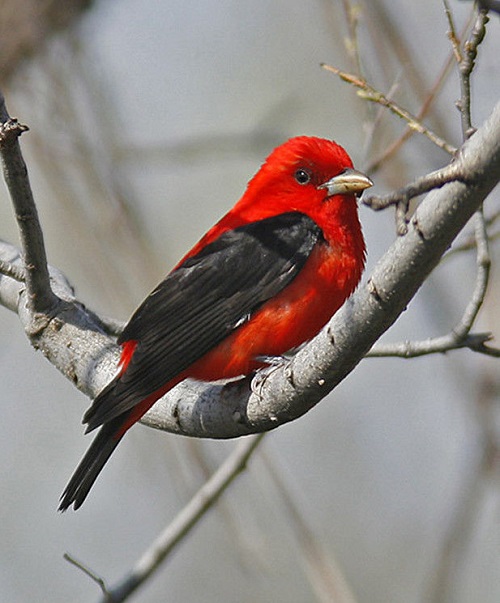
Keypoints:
pixel 91 465
pixel 202 302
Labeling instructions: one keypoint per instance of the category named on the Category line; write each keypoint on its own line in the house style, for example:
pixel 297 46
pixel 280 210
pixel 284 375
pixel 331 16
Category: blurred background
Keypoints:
pixel 146 121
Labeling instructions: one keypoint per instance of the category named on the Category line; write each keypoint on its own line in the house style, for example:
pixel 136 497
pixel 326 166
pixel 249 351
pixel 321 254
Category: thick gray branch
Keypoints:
pixel 76 344
pixel 323 363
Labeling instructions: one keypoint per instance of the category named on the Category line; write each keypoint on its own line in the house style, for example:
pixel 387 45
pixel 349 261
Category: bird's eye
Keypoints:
pixel 302 176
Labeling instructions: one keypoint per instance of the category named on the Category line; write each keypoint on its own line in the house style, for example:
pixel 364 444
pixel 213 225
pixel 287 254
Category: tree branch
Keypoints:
pixel 76 342
pixel 401 197
pixel 460 336
pixel 15 272
pixel 466 63
pixel 184 522
pixel 373 95
pixel 40 298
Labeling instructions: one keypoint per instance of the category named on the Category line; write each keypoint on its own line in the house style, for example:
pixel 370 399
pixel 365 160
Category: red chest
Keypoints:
pixel 294 316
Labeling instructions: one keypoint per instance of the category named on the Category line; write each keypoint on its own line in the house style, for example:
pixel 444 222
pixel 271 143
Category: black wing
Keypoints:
pixel 203 301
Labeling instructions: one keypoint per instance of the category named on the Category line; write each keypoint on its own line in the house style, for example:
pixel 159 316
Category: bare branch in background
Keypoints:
pixel 101 583
pixel 373 95
pixel 460 336
pixel 184 522
pixel 469 242
pixel 327 580
pixel 466 66
pixel 376 163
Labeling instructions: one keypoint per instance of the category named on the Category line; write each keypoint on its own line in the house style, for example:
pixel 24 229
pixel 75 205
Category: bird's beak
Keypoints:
pixel 350 181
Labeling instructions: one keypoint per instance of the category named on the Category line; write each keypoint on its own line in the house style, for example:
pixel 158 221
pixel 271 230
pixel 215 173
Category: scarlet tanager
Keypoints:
pixel 265 279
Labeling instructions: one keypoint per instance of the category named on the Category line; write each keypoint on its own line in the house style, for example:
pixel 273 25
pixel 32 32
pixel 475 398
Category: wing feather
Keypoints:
pixel 202 301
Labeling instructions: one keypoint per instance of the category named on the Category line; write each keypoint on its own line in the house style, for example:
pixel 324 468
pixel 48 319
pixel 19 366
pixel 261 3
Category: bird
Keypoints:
pixel 262 281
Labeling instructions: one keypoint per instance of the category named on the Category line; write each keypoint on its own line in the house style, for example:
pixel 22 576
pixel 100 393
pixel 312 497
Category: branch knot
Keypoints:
pixel 10 132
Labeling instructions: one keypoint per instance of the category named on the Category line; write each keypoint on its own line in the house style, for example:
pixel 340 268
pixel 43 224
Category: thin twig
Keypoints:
pixel 468 245
pixel 435 345
pixel 483 261
pixel 377 119
pixel 470 242
pixel 421 185
pixel 185 521
pixel 452 34
pixel 392 149
pixel 13 271
pixel 440 80
pixel 460 336
pixel 401 198
pixel 466 66
pixel 91 574
pixel 351 42
pixel 371 94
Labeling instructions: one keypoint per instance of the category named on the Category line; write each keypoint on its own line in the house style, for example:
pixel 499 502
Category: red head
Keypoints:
pixel 307 174
pixel 300 175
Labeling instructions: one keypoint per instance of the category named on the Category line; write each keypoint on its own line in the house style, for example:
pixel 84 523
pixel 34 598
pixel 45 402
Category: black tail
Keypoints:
pixel 92 463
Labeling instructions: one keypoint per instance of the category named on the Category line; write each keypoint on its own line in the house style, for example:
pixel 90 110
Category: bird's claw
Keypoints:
pixel 273 363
